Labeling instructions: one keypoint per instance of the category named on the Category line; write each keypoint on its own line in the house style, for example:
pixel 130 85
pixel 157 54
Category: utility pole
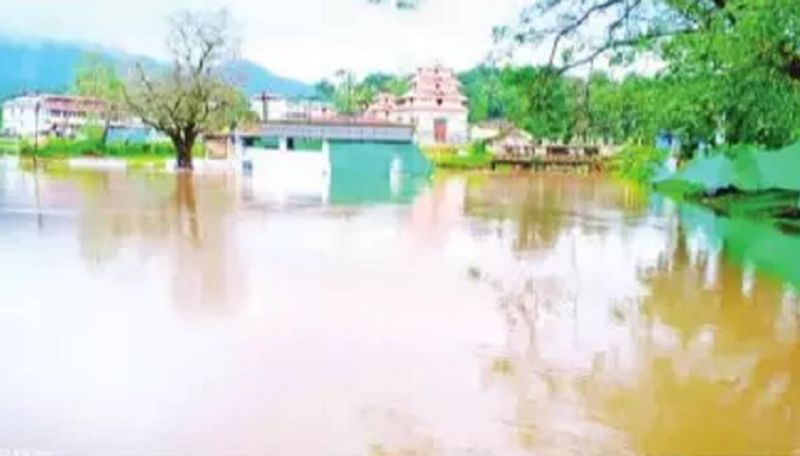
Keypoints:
pixel 264 106
pixel 37 107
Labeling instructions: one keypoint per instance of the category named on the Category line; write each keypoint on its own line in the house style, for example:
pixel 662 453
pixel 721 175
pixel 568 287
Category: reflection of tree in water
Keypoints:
pixel 393 433
pixel 541 208
pixel 715 371
pixel 547 416
pixel 700 367
pixel 180 219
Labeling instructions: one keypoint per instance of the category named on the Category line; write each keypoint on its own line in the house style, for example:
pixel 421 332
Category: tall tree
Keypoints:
pixel 733 66
pixel 324 91
pixel 350 96
pixel 540 101
pixel 194 95
pixel 382 82
pixel 483 86
pixel 98 78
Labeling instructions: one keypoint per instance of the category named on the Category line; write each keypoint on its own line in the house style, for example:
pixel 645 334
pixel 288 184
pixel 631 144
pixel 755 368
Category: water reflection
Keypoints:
pixel 177 314
pixel 543 209
pixel 703 359
pixel 177 224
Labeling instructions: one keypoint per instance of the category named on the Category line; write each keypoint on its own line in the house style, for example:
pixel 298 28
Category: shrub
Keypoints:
pixel 448 157
pixel 63 148
pixel 70 148
pixel 439 151
pixel 638 163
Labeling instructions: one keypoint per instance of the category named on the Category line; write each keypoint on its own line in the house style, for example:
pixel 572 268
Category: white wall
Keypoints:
pixel 281 175
pixel 457 126
pixel 19 117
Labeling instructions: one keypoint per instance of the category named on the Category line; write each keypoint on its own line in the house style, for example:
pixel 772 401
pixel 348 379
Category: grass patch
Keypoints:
pixel 457 162
pixel 62 149
pixel 475 157
pixel 9 146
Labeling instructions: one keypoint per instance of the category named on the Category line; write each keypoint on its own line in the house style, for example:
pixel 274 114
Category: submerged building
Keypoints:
pixel 434 105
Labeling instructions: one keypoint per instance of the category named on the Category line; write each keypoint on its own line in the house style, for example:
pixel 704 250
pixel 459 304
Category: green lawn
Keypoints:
pixel 9 146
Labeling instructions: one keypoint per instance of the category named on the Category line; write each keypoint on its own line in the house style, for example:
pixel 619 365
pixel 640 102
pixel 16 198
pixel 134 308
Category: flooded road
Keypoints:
pixel 156 314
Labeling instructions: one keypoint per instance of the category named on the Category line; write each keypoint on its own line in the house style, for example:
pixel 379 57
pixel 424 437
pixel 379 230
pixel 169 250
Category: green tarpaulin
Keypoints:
pixel 781 169
pixel 751 169
pixel 712 173
pixel 747 171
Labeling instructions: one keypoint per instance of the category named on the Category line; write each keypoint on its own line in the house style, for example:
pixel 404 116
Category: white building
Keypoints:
pixel 273 107
pixel 434 105
pixel 60 115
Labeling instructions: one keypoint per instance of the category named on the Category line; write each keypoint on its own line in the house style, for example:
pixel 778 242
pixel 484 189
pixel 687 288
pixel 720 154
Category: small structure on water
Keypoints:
pixel 512 143
pixel 517 147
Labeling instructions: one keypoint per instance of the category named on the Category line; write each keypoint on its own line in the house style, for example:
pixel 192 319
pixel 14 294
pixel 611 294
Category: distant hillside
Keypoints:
pixel 50 66
pixel 256 79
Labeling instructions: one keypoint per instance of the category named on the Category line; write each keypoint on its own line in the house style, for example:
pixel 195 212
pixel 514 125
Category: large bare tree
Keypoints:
pixel 193 95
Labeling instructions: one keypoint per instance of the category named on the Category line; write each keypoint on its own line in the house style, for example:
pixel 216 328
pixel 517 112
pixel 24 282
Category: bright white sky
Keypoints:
pixel 303 39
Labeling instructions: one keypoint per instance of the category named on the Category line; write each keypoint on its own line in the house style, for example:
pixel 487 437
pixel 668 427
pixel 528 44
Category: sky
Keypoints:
pixel 302 39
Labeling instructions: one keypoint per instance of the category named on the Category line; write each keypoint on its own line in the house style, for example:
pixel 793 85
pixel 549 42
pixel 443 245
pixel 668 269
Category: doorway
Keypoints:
pixel 440 130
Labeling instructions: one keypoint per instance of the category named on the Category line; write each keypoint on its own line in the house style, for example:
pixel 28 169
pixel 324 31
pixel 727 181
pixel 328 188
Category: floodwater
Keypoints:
pixel 154 314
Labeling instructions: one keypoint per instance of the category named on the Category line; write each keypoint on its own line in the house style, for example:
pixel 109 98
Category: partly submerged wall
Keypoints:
pixel 366 172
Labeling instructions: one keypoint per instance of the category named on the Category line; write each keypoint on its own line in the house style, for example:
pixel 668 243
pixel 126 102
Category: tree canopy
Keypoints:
pixel 193 96
pixel 729 69
pixel 98 78
pixel 351 96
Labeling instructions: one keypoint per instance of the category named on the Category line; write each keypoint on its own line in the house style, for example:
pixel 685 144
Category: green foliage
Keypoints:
pixel 731 68
pixel 638 163
pixel 484 88
pixel 59 148
pixel 348 98
pixel 97 77
pixel 351 96
pixel 381 82
pixel 194 95
pixel 324 91
pixel 9 146
pixel 540 101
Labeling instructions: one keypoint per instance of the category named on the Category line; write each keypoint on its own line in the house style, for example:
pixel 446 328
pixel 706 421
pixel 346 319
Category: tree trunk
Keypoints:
pixel 184 154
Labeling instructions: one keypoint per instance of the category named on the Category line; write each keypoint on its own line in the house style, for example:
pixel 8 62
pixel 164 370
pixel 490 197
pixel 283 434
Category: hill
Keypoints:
pixel 49 66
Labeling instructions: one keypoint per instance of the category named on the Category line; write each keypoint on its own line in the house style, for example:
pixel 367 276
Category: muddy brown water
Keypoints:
pixel 168 315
